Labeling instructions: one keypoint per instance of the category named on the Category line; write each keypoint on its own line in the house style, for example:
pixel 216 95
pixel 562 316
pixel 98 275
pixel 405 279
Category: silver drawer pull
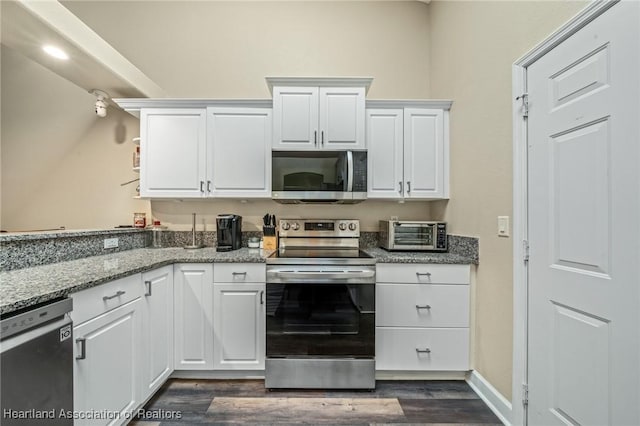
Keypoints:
pixel 262 297
pixel 423 351
pixel 423 306
pixel 83 348
pixel 423 274
pixel 118 294
pixel 244 274
pixel 148 284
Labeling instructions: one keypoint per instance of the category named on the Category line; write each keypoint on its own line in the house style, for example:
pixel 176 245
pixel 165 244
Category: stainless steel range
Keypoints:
pixel 320 307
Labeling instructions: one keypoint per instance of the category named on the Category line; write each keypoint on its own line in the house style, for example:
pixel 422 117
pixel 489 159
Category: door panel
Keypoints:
pixel 423 153
pixel 385 148
pixel 295 115
pixel 193 316
pixel 342 118
pixel 584 204
pixel 240 147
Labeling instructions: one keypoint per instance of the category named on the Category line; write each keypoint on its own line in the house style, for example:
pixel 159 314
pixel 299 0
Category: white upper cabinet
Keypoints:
pixel 318 118
pixel 239 155
pixel 385 153
pixel 408 151
pixel 295 112
pixel 173 146
pixel 424 146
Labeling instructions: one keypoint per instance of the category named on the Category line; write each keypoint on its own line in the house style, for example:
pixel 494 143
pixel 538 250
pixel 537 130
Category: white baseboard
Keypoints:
pixel 217 374
pixel 494 399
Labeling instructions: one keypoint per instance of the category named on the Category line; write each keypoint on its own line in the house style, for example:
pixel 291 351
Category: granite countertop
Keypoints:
pixel 384 256
pixel 21 288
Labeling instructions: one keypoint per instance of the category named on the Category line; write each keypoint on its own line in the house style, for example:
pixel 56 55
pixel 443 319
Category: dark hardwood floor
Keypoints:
pixel 211 402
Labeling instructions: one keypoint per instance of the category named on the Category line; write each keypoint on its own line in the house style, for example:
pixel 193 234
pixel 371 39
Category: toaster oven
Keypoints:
pixel 413 235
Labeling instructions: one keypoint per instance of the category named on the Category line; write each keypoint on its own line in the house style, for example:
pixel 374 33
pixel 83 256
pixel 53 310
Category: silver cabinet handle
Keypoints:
pixel 426 274
pixel 423 351
pixel 315 137
pixel 262 297
pixel 118 294
pixel 201 186
pixel 244 274
pixel 408 186
pixel 322 138
pixel 148 284
pixel 208 186
pixel 423 306
pixel 400 190
pixel 83 348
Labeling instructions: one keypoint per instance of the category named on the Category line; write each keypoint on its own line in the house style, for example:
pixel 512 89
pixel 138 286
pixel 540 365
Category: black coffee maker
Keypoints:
pixel 229 228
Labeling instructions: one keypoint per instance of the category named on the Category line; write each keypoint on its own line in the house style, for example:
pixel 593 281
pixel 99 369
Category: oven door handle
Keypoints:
pixel 308 275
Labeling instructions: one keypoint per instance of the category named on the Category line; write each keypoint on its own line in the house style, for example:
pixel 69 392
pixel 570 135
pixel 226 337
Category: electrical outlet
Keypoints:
pixel 110 243
pixel 503 226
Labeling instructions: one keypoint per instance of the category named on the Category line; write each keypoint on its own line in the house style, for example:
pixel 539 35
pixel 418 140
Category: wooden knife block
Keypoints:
pixel 269 243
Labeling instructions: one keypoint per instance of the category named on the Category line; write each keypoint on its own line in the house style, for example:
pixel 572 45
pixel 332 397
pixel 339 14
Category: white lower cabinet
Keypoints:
pixel 157 324
pixel 422 317
pixel 193 309
pixel 107 376
pixel 239 326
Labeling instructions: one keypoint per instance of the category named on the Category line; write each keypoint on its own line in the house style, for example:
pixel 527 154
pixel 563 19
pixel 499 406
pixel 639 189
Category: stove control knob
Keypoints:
pixel 295 226
pixel 352 226
pixel 342 226
pixel 285 226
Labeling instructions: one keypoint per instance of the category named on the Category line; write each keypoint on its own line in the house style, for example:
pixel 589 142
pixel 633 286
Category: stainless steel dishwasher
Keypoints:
pixel 37 366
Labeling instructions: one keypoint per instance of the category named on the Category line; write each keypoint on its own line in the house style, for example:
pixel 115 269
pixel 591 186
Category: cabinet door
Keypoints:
pixel 295 118
pixel 239 324
pixel 107 364
pixel 193 328
pixel 172 152
pixel 239 152
pixel 424 156
pixel 385 149
pixel 157 326
pixel 342 118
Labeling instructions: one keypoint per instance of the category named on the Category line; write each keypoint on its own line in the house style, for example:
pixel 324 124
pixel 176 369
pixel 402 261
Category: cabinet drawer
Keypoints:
pixel 239 273
pixel 443 349
pixel 95 301
pixel 422 273
pixel 429 305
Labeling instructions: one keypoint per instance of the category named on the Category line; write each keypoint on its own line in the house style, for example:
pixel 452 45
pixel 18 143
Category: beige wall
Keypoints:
pixel 226 49
pixel 473 45
pixel 61 165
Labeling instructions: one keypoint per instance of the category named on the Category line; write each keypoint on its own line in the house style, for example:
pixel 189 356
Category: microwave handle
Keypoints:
pixel 349 171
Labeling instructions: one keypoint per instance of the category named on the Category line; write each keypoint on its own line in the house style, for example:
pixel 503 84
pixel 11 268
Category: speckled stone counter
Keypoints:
pixel 25 287
pixel 384 256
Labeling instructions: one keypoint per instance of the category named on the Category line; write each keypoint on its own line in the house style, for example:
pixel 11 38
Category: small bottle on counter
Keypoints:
pixel 136 158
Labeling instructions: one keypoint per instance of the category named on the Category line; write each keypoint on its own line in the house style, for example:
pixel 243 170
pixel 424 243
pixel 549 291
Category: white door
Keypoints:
pixel 239 152
pixel 584 210
pixel 385 153
pixel 172 152
pixel 106 365
pixel 424 159
pixel 157 327
pixel 239 326
pixel 295 118
pixel 193 302
pixel 341 118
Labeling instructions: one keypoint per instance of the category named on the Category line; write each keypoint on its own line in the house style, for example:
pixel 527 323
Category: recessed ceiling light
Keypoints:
pixel 56 52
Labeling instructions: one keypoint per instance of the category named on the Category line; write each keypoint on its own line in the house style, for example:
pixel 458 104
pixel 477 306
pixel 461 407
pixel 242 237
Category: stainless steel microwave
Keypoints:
pixel 338 177
pixel 413 235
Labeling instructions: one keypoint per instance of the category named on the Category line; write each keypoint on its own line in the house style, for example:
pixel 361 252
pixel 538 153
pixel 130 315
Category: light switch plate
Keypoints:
pixel 110 243
pixel 503 226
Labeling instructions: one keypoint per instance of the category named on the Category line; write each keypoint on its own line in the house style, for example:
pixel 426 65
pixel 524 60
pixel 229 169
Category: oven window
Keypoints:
pixel 413 235
pixel 320 319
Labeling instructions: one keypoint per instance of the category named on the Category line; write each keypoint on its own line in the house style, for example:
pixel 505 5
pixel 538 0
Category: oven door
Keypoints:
pixel 320 319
